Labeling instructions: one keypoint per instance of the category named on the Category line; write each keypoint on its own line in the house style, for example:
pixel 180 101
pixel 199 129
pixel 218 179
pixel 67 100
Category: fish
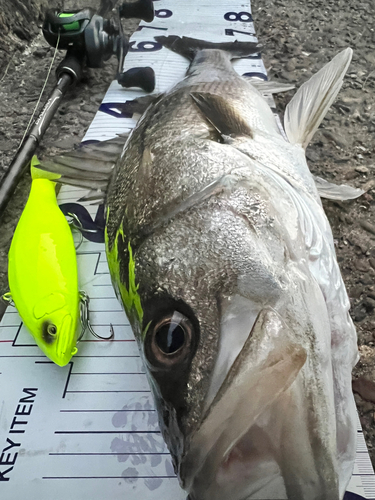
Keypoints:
pixel 223 258
pixel 42 272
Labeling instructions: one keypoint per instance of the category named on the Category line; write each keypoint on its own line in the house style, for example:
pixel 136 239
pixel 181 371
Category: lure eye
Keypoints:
pixel 170 339
pixel 49 332
pixel 51 329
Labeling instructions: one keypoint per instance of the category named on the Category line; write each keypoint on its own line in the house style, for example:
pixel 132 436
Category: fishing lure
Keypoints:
pixel 42 271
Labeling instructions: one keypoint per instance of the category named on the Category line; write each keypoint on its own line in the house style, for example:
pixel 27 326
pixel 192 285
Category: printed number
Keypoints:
pixel 140 28
pixel 232 32
pixel 163 13
pixel 256 56
pixel 245 17
pixel 117 110
pixel 145 47
pixel 255 74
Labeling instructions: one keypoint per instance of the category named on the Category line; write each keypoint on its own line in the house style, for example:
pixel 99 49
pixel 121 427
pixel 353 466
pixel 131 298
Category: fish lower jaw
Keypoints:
pixel 249 467
pixel 248 471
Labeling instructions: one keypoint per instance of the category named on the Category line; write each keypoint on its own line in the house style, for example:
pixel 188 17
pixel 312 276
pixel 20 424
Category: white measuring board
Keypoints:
pixel 89 430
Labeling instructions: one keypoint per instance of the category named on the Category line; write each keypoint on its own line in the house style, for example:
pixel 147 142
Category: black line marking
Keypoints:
pixel 90 252
pixel 45 362
pixel 102 392
pixel 25 345
pixel 113 324
pixel 107 432
pixel 103 411
pixel 109 454
pixel 105 310
pixel 102 356
pixel 103 298
pixel 68 378
pixel 109 477
pixel 106 373
pixel 15 338
pixel 96 267
pixel 24 356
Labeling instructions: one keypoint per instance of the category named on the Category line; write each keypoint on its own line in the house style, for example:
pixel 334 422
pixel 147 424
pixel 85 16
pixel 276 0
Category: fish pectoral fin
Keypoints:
pixel 89 166
pixel 222 116
pixel 310 104
pixel 270 87
pixel 332 191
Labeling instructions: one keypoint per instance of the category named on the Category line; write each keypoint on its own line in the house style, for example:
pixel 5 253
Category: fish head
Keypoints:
pixel 224 331
pixel 53 324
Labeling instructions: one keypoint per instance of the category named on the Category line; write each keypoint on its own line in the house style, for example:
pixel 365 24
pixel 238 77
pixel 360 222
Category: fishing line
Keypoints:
pixel 43 88
pixel 6 69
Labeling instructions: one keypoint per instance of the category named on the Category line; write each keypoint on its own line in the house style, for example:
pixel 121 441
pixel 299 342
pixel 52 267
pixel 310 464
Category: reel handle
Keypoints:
pixel 138 77
pixel 141 9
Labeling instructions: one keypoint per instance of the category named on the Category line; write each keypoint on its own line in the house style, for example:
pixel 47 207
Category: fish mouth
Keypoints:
pixel 225 451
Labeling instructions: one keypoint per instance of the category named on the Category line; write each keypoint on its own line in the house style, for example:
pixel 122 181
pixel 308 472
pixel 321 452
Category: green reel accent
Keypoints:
pixel 74 26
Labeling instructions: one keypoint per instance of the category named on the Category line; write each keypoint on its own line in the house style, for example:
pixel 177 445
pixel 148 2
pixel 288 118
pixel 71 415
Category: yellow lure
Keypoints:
pixel 42 272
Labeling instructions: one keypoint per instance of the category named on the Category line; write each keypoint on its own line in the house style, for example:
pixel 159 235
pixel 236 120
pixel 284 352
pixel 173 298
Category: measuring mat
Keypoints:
pixel 89 430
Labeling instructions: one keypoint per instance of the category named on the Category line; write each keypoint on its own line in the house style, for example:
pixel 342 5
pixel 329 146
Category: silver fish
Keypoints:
pixel 221 253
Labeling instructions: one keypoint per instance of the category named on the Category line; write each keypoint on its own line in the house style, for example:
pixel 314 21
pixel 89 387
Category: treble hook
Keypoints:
pixel 85 320
pixel 71 223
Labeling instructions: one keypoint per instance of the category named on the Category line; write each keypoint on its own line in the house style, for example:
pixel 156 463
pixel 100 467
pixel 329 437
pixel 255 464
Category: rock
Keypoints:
pixel 336 138
pixel 355 292
pixel 365 388
pixel 367 280
pixel 40 53
pixel 312 155
pixel 369 304
pixel 367 407
pixel 67 143
pixel 370 228
pixel 361 265
pixel 7 145
pixel 359 313
pixel 362 169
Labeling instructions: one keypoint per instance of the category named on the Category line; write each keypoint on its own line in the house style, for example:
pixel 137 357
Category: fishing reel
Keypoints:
pixel 92 39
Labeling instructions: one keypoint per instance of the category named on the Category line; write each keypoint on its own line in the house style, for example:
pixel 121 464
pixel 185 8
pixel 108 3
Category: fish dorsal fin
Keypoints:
pixel 308 107
pixel 221 114
pixel 332 191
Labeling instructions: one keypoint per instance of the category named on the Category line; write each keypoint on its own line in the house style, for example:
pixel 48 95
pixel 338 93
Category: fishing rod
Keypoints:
pixel 89 39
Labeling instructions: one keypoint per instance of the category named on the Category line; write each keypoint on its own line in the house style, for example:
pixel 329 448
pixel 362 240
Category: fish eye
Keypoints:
pixel 51 329
pixel 170 339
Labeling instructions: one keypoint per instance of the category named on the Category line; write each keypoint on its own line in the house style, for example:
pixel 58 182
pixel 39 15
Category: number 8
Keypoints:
pixel 245 17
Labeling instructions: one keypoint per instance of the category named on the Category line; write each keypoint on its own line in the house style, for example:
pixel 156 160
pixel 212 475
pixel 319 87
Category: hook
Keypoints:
pixel 85 320
pixel 71 223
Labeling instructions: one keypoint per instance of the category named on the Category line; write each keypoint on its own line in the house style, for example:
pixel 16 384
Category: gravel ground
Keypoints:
pixel 299 37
